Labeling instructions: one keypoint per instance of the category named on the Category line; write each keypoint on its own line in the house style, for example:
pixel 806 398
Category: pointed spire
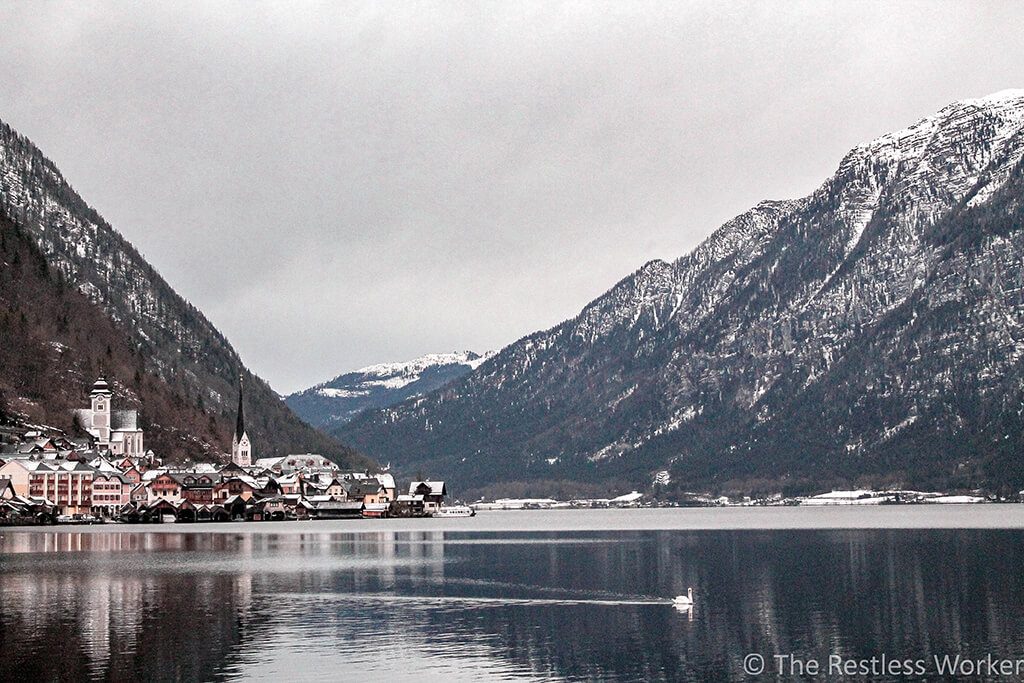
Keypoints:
pixel 240 425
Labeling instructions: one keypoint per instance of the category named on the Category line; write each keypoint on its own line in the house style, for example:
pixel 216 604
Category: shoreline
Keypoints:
pixel 903 517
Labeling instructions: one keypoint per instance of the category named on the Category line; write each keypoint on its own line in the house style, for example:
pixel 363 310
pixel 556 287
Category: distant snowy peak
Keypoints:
pixel 381 385
pixel 395 375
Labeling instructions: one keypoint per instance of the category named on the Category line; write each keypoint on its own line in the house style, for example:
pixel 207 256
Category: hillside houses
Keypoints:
pixel 71 483
pixel 80 482
pixel 50 477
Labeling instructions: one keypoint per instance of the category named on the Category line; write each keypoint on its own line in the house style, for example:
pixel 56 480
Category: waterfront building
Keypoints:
pixel 65 484
pixel 407 505
pixel 139 494
pixel 132 474
pixel 196 488
pixel 111 491
pixel 164 487
pixel 243 487
pixel 387 480
pixel 290 483
pixel 433 493
pixel 368 491
pixel 333 488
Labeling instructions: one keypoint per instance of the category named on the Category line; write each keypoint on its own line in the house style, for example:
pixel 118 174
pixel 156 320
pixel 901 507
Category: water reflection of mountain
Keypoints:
pixel 187 606
pixel 855 594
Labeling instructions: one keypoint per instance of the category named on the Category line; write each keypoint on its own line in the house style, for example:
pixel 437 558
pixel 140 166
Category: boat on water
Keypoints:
pixel 77 519
pixel 455 511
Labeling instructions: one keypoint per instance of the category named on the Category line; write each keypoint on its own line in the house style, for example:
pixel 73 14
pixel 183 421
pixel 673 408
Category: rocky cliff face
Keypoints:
pixel 871 331
pixel 179 345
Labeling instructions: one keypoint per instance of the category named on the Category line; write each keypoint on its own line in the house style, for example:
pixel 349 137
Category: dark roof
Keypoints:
pixel 196 479
pixel 124 419
pixel 112 475
pixel 364 487
pixel 100 386
pixel 228 479
pixel 428 488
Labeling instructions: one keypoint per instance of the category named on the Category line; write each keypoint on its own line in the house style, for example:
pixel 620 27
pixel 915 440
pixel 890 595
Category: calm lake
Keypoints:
pixel 577 595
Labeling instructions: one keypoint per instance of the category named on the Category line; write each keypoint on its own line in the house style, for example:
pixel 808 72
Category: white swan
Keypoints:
pixel 684 600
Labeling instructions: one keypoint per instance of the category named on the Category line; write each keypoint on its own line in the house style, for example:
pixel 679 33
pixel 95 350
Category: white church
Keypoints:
pixel 114 430
pixel 241 446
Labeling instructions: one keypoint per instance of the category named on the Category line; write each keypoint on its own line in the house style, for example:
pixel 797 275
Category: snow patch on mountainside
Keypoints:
pixel 418 365
pixel 342 393
pixel 398 375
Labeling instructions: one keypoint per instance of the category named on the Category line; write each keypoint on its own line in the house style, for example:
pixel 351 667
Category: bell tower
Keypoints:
pixel 100 398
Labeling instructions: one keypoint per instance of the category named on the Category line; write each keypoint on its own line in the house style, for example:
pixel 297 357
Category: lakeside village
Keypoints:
pixel 47 479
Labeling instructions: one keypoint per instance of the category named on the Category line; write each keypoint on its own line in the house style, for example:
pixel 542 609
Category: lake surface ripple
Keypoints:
pixel 536 595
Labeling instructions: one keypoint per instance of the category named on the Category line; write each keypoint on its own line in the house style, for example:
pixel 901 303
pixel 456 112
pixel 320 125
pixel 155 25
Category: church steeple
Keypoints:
pixel 241 446
pixel 240 424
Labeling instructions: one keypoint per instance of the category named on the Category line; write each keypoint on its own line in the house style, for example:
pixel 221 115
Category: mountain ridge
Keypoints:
pixel 680 362
pixel 179 344
pixel 375 386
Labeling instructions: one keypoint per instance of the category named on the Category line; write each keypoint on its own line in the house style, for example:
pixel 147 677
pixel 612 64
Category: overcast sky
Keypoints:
pixel 341 184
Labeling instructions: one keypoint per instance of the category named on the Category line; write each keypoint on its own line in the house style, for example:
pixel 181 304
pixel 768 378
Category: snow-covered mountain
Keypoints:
pixel 178 345
pixel 872 331
pixel 378 386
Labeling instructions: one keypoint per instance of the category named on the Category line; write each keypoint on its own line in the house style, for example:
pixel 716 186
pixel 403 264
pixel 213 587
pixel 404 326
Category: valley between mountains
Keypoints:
pixel 870 333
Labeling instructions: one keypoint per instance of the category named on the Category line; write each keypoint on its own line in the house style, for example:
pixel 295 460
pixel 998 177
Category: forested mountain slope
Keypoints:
pixel 177 344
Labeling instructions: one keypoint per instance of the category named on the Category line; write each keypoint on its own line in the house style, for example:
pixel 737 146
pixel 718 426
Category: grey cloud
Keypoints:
pixel 339 184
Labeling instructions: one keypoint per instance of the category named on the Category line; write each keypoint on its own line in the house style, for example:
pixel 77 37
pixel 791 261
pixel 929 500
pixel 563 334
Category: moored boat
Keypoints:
pixel 455 511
